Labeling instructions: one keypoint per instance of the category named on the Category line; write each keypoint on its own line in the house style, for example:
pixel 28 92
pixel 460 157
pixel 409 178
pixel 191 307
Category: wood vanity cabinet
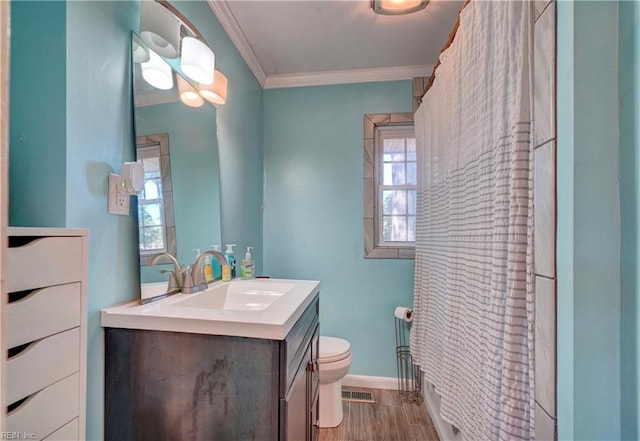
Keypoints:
pixel 179 386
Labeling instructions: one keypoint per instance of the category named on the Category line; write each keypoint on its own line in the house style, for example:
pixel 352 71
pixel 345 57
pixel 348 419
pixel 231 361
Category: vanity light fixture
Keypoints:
pixel 398 7
pixel 215 93
pixel 197 60
pixel 157 72
pixel 140 52
pixel 188 94
pixel 159 29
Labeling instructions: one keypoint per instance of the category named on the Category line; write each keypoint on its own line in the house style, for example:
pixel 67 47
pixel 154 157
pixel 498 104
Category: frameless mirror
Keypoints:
pixel 179 208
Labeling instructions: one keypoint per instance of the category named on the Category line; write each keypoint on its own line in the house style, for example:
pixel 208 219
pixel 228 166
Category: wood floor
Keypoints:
pixel 389 419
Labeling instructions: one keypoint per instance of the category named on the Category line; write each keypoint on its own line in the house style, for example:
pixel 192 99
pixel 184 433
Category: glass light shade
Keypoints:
pixel 140 53
pixel 215 93
pixel 197 60
pixel 159 29
pixel 398 7
pixel 157 72
pixel 188 95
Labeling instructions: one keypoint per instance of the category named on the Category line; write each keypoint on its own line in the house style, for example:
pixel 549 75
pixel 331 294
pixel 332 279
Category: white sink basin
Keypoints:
pixel 240 295
pixel 260 308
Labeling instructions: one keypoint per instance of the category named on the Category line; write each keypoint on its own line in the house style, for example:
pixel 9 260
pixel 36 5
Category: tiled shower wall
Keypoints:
pixel 544 199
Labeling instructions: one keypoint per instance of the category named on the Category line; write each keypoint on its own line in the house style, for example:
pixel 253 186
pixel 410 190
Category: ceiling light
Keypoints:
pixel 215 93
pixel 198 60
pixel 157 72
pixel 159 29
pixel 188 94
pixel 398 7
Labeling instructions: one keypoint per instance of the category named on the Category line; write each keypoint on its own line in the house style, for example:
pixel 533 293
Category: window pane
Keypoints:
pixel 411 232
pixel 394 174
pixel 151 190
pixel 394 202
pixel 151 238
pixel 411 173
pixel 151 215
pixel 393 149
pixel 412 201
pixel 411 149
pixel 394 228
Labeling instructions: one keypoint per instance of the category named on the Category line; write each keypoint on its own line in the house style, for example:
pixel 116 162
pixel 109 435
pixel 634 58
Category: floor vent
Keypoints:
pixel 358 396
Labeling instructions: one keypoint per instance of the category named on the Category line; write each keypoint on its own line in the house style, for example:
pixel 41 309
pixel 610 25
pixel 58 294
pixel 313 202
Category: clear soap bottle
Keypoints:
pixel 246 266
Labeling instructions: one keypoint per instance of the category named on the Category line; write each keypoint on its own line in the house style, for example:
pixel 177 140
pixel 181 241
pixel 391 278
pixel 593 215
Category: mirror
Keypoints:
pixel 179 208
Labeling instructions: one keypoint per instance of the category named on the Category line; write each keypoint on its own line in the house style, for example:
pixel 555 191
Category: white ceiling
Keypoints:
pixel 306 42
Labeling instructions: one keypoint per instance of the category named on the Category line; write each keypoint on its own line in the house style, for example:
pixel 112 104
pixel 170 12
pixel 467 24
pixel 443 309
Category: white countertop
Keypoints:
pixel 170 314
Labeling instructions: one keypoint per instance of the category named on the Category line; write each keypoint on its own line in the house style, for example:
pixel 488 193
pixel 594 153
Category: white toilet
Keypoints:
pixel 334 362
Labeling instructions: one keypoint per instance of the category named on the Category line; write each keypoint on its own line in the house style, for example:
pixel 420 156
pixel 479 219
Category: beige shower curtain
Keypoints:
pixel 473 322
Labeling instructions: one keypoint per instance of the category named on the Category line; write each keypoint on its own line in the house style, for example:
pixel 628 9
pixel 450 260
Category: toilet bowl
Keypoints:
pixel 333 363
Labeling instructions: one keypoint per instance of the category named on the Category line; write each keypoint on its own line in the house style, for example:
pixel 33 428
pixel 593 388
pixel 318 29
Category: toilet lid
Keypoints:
pixel 333 349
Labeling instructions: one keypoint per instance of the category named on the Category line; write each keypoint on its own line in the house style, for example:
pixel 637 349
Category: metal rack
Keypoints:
pixel 409 377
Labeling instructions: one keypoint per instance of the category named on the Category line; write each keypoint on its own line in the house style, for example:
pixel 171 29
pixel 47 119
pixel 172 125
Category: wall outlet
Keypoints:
pixel 118 202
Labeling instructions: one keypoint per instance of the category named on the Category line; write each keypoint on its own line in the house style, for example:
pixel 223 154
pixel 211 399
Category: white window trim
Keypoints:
pixel 372 247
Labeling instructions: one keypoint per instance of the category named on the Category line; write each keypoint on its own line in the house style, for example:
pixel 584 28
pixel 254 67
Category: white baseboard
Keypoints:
pixel 370 382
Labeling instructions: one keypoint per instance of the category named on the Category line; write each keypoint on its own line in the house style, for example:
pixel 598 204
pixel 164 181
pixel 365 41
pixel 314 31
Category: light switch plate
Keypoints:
pixel 118 202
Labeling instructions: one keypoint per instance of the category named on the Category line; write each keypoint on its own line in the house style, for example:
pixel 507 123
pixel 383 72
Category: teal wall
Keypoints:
pixel 37 126
pixel 195 175
pixel 99 139
pixel 629 73
pixel 239 125
pixel 73 125
pixel 313 218
pixel 588 247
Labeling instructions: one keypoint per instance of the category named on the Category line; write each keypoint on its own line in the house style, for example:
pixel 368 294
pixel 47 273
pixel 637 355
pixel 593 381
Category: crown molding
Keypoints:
pixel 228 21
pixel 347 76
pixel 226 18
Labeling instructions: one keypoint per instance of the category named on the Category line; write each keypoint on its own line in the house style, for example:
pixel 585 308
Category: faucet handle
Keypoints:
pixel 173 286
pixel 188 286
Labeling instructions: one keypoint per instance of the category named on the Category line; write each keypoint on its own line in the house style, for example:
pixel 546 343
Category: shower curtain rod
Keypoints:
pixel 452 35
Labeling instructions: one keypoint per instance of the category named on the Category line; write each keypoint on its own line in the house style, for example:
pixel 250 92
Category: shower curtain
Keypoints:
pixel 473 310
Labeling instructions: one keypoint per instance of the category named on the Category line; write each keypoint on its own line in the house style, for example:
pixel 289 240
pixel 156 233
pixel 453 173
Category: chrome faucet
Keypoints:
pixel 176 277
pixel 189 279
pixel 197 272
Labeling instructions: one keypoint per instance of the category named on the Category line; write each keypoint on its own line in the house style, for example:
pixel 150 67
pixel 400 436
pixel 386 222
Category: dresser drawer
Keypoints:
pixel 48 410
pixel 44 262
pixel 42 313
pixel 66 433
pixel 42 363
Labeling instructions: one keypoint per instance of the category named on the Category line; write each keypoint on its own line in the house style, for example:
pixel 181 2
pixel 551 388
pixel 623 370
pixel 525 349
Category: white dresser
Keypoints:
pixel 45 331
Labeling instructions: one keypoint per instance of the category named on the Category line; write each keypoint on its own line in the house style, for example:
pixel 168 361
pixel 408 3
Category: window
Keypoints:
pixel 389 186
pixel 153 238
pixel 155 202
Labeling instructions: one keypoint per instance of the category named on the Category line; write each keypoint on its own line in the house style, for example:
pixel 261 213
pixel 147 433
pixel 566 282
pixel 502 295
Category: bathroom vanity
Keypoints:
pixel 236 362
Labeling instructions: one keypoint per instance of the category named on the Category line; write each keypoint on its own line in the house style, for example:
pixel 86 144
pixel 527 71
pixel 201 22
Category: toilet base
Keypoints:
pixel 330 404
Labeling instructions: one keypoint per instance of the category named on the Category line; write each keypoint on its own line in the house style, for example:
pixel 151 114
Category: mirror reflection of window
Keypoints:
pixel 151 203
pixel 156 226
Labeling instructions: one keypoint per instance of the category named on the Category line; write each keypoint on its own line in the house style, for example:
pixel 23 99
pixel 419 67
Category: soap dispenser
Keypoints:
pixel 208 270
pixel 231 259
pixel 246 267
pixel 215 265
